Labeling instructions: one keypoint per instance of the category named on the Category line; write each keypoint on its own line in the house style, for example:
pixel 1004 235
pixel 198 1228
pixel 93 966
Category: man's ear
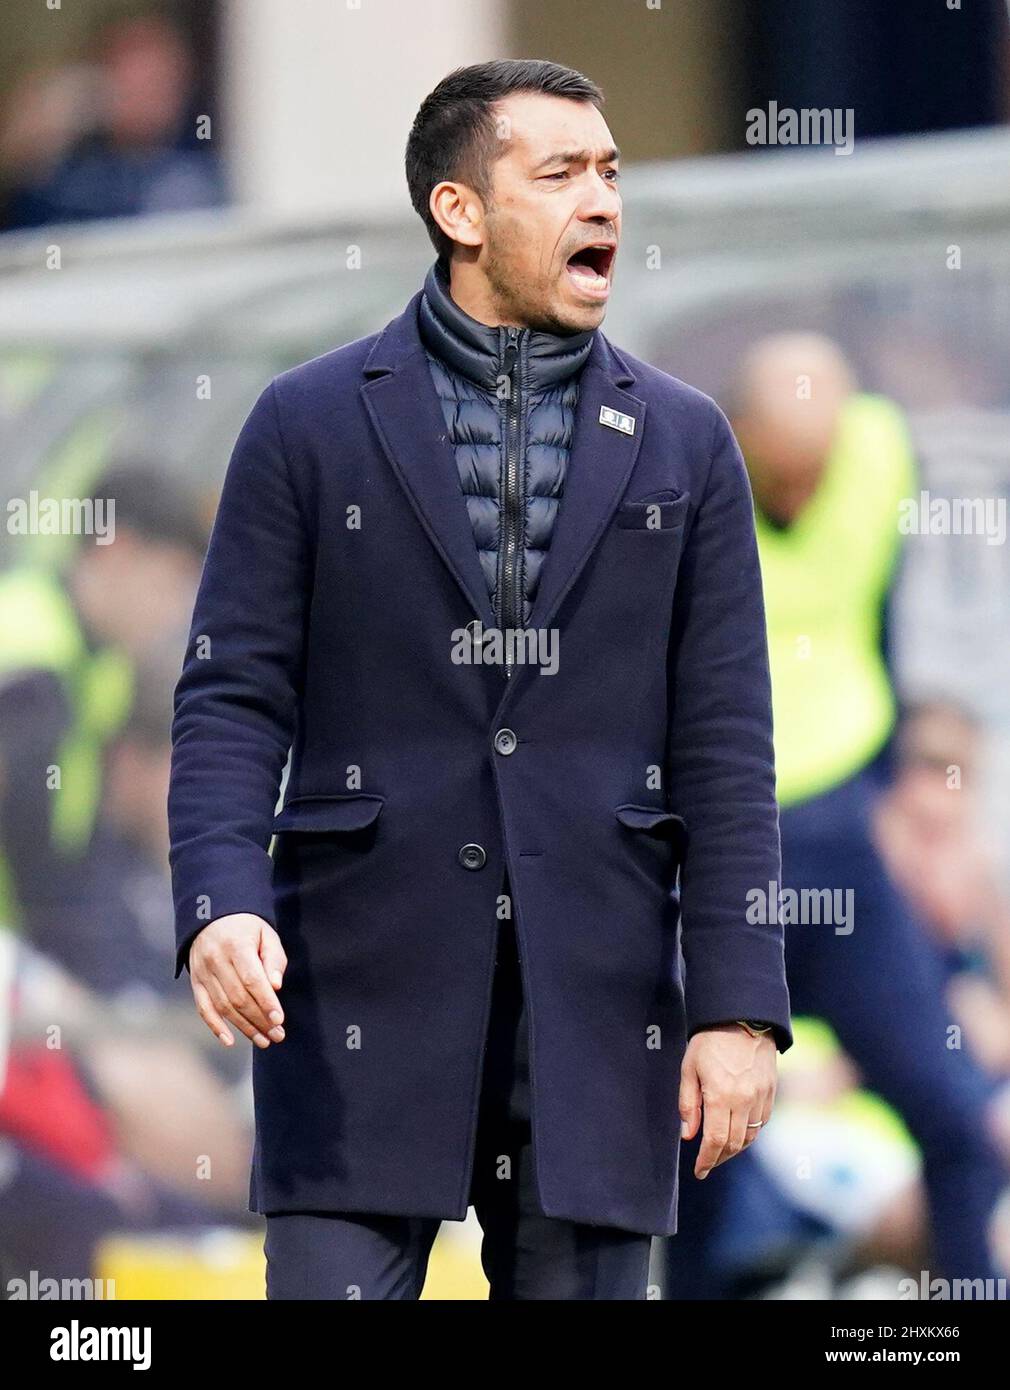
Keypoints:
pixel 459 212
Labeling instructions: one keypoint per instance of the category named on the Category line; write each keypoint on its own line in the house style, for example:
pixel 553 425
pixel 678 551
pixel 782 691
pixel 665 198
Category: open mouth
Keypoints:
pixel 590 268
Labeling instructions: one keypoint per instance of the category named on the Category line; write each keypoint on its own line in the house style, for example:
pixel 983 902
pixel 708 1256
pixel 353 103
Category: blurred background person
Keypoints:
pixel 119 1121
pixel 115 135
pixel 830 466
pixel 932 834
pixel 71 642
pixel 110 930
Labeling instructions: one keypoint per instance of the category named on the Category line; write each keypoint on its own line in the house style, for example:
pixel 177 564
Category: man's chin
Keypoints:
pixel 589 319
pixel 571 318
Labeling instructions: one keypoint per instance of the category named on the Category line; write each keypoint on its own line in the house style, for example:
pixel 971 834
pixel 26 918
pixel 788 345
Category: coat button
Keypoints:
pixel 475 632
pixel 472 857
pixel 505 741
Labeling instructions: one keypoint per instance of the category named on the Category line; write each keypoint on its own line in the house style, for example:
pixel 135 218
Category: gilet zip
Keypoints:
pixel 513 493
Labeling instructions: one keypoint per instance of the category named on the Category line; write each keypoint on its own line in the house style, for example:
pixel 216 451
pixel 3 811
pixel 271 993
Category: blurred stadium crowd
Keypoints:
pixel 125 1131
pixel 111 133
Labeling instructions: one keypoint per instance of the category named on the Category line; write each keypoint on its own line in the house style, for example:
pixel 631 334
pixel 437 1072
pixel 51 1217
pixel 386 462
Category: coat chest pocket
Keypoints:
pixel 659 512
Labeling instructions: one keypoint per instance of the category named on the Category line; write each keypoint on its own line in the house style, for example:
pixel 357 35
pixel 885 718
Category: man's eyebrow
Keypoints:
pixel 577 157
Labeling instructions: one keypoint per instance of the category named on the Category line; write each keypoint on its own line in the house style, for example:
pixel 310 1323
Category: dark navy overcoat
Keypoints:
pixel 634 807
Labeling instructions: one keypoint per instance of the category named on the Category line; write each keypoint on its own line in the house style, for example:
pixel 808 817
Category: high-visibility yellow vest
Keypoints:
pixel 825 578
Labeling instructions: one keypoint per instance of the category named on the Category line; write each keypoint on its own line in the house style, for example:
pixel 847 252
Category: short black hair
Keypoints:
pixel 454 136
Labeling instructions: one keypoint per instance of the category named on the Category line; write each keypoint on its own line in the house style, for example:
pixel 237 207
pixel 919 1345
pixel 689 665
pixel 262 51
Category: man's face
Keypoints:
pixel 554 195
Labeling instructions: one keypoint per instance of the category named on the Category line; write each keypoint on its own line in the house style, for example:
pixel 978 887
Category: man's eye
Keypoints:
pixel 613 174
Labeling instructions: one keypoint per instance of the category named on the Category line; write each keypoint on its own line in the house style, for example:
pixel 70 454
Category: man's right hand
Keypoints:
pixel 235 965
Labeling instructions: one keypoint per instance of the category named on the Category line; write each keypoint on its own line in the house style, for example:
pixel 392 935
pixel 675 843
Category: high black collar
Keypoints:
pixel 476 350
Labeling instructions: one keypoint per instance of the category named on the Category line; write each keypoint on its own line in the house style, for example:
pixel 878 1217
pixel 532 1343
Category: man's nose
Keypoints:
pixel 601 203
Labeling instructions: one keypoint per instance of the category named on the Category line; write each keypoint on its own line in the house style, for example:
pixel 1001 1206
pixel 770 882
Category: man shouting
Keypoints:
pixel 492 584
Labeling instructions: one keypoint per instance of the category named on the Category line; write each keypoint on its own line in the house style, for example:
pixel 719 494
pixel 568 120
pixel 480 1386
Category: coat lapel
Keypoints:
pixel 599 466
pixel 400 398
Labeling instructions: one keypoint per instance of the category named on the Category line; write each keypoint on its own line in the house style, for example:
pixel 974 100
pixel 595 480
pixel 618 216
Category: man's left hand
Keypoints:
pixel 727 1078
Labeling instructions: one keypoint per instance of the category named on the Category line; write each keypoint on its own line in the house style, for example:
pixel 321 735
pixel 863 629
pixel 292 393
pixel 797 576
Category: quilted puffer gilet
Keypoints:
pixel 508 397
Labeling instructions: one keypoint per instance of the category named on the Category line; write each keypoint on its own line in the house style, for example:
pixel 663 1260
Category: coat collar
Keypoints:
pixel 400 398
pixel 477 351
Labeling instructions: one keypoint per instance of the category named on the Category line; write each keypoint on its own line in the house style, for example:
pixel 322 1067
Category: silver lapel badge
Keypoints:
pixel 616 420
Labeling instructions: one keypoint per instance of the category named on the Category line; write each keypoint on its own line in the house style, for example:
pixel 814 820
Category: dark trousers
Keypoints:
pixel 525 1255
